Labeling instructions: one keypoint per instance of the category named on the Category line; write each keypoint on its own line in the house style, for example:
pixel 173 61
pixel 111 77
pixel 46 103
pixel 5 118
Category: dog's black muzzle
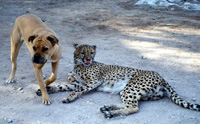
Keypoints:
pixel 38 59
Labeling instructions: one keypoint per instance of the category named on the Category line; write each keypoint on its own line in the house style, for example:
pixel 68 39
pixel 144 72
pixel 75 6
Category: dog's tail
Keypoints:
pixel 177 100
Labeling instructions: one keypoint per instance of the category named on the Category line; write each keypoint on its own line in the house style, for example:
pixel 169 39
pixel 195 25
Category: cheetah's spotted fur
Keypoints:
pixel 133 85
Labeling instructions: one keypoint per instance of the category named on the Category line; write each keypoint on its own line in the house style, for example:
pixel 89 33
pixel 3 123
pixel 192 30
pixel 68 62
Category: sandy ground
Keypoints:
pixel 166 40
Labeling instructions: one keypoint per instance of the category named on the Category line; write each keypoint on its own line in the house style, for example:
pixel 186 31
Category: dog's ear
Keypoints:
pixel 31 38
pixel 94 46
pixel 75 45
pixel 53 40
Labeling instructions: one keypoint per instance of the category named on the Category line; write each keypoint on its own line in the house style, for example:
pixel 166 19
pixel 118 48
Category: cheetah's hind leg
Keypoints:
pixel 111 111
pixel 129 105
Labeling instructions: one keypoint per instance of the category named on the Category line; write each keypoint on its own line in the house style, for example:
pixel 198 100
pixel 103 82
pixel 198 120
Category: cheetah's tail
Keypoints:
pixel 179 101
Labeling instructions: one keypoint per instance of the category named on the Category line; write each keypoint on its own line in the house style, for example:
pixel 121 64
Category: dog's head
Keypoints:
pixel 42 47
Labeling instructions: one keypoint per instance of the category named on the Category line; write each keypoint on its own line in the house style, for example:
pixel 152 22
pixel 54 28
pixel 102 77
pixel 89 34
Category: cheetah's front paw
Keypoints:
pixel 66 100
pixel 109 115
pixel 106 108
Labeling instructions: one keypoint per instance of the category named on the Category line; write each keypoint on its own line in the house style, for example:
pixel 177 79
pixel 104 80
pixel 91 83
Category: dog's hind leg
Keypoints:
pixel 16 43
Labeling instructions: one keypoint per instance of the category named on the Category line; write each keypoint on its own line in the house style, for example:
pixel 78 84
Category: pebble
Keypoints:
pixel 161 43
pixel 199 81
pixel 4 65
pixel 78 19
pixel 11 24
pixel 172 9
pixel 9 120
pixel 194 99
pixel 1 7
pixel 23 77
pixel 169 25
pixel 159 16
pixel 192 118
pixel 20 88
pixel 22 91
pixel 143 57
pixel 47 115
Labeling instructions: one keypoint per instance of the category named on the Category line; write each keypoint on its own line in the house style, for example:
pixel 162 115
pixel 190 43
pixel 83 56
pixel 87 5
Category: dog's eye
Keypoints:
pixel 44 49
pixel 82 53
pixel 92 52
pixel 34 48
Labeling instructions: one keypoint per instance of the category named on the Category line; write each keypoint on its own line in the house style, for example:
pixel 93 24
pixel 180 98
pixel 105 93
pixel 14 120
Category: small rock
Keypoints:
pixel 194 99
pixel 172 9
pixel 22 91
pixel 192 118
pixel 23 77
pixel 78 19
pixel 58 77
pixel 4 65
pixel 20 88
pixel 161 43
pixel 9 120
pixel 199 81
pixel 11 24
pixel 169 25
pixel 1 7
pixel 143 57
pixel 47 115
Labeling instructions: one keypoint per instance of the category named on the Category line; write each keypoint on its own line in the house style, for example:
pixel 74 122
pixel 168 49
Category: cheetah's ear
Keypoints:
pixel 94 46
pixel 75 45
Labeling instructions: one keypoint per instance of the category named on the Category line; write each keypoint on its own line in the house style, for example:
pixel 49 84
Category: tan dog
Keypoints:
pixel 43 45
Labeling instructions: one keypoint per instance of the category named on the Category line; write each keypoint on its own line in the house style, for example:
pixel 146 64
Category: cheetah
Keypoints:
pixel 131 84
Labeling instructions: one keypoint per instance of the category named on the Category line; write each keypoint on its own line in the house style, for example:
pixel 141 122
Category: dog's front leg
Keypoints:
pixel 54 73
pixel 38 73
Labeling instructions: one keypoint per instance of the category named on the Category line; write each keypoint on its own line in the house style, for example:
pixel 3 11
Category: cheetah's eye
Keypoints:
pixel 92 52
pixel 82 53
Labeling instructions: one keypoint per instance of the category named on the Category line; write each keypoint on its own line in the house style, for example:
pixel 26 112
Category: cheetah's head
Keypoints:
pixel 84 54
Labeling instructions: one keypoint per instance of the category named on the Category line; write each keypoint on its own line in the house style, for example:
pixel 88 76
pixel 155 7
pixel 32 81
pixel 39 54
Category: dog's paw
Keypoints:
pixel 38 92
pixel 10 81
pixel 46 101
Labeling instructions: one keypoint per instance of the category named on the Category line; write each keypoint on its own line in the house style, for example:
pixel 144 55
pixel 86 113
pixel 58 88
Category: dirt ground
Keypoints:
pixel 165 40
